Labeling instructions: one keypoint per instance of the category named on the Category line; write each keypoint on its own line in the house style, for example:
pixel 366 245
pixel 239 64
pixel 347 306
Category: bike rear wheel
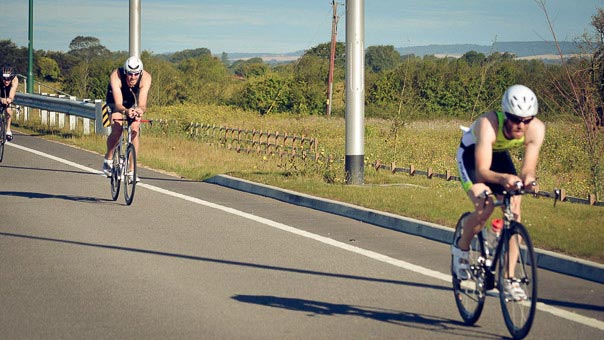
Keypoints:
pixel 470 294
pixel 518 314
pixel 116 173
pixel 131 173
pixel 2 134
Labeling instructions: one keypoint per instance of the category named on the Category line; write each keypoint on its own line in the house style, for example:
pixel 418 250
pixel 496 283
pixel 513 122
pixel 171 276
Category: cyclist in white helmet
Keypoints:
pixel 126 94
pixel 8 90
pixel 484 163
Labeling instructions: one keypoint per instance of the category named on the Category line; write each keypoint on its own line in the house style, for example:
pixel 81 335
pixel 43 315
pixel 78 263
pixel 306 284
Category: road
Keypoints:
pixel 193 260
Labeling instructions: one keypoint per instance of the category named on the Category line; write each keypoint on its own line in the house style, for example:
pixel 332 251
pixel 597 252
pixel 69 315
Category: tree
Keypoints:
pixel 473 58
pixel 49 69
pixel 190 54
pixel 382 58
pixel 582 93
pixel 253 67
pixel 87 48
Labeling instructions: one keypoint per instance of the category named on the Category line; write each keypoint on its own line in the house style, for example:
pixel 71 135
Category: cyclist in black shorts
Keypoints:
pixel 8 89
pixel 484 163
pixel 126 94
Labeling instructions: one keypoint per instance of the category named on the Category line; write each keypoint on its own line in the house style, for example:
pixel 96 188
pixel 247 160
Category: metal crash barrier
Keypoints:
pixel 65 106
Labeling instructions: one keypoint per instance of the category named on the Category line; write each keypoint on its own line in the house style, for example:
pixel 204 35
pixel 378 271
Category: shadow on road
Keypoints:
pixel 228 262
pixel 34 195
pixel 415 320
pixel 49 170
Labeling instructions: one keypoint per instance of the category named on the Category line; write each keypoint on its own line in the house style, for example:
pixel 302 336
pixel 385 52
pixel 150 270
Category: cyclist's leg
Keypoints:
pixel 483 208
pixel 513 248
pixel 135 128
pixel 9 118
pixel 114 138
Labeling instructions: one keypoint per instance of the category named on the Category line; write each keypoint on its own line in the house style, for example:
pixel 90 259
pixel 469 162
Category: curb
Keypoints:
pixel 563 264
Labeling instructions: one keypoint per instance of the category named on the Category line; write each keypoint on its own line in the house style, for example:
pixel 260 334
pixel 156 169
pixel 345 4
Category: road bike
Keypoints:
pixel 2 132
pixel 489 271
pixel 124 162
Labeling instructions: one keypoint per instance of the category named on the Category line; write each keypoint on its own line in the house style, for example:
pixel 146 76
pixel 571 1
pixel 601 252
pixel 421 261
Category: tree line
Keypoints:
pixel 397 86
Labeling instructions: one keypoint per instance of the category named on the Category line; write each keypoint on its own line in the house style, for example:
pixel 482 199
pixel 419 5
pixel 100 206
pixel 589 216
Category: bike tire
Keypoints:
pixel 2 133
pixel 470 294
pixel 130 179
pixel 116 173
pixel 519 315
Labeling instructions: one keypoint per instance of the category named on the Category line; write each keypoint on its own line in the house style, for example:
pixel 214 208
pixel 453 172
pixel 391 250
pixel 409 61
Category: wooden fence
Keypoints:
pixel 557 194
pixel 258 141
pixel 282 144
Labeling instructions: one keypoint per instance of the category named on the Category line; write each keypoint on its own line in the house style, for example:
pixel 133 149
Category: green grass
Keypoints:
pixel 572 229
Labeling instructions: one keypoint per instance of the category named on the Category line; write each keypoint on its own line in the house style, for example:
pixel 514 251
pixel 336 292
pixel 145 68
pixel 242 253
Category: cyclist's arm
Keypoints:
pixel 116 88
pixel 145 85
pixel 534 136
pixel 13 91
pixel 486 134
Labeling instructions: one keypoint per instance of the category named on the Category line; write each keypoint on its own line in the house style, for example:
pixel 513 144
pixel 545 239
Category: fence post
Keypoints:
pixel 61 115
pixel 44 114
pixel 52 115
pixel 73 120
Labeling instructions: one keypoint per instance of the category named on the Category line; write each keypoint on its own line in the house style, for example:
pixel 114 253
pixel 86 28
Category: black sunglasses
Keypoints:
pixel 517 120
pixel 134 73
pixel 7 78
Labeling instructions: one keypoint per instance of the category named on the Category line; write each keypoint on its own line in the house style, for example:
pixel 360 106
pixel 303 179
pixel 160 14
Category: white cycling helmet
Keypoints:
pixel 133 65
pixel 520 101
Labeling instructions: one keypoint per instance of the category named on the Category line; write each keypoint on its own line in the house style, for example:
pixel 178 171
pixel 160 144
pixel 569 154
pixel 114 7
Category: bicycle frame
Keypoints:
pixel 508 217
pixel 124 162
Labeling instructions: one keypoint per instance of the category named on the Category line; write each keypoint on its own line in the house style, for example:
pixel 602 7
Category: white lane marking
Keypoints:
pixel 368 253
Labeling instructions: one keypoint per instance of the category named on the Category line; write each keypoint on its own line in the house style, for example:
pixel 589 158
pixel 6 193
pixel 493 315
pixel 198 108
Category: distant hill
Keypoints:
pixel 520 49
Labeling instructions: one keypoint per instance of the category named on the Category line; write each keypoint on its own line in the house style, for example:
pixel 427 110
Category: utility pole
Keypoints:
pixel 135 28
pixel 355 91
pixel 30 50
pixel 332 56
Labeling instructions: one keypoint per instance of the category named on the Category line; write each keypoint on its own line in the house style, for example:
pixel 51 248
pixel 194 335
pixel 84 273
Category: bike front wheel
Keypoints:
pixel 131 174
pixel 518 270
pixel 116 173
pixel 470 294
pixel 2 134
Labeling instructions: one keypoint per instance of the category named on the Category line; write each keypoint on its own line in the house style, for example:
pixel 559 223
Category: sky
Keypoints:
pixel 282 26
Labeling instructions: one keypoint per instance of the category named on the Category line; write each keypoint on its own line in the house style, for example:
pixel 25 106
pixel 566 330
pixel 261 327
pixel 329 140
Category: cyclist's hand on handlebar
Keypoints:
pixel 510 182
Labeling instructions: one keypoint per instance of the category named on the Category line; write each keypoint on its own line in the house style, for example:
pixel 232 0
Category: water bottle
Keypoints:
pixel 491 238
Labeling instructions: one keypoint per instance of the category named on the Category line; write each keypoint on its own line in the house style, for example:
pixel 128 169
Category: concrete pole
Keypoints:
pixel 135 28
pixel 355 91
pixel 30 50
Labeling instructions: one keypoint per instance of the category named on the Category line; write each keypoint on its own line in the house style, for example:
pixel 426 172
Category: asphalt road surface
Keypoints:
pixel 193 260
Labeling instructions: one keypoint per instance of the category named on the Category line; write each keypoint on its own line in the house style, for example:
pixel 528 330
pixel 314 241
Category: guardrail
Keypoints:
pixel 64 105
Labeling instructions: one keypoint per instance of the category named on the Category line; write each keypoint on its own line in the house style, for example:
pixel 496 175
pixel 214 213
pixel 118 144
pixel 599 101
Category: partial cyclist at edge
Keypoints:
pixel 8 89
pixel 127 94
pixel 484 163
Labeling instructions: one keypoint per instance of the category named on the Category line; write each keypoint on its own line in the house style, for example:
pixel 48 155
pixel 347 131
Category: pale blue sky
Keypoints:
pixel 281 26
